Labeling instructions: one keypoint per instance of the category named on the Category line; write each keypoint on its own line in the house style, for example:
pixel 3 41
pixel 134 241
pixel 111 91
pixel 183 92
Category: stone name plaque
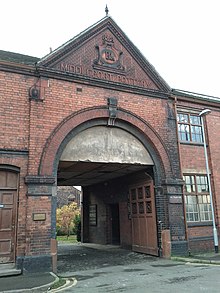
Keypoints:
pixel 39 216
pixel 175 199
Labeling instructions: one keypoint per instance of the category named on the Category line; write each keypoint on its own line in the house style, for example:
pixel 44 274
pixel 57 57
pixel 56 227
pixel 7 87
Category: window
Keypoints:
pixel 197 198
pixel 189 127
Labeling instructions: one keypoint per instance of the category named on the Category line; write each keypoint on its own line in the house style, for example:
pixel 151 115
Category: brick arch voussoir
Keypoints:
pixel 61 131
pixel 69 123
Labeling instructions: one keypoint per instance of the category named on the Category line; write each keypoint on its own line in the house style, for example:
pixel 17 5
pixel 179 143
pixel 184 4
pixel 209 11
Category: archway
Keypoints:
pixel 160 171
pixel 90 117
pixel 106 161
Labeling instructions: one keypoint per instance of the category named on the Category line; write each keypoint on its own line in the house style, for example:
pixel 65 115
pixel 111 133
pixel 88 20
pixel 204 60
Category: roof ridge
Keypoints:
pixel 72 39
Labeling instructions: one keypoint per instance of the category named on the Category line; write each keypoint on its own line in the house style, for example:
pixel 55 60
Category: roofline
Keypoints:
pixel 71 40
pixel 138 56
pixel 188 94
pixel 31 70
pixel 18 68
pixel 150 67
pixel 13 57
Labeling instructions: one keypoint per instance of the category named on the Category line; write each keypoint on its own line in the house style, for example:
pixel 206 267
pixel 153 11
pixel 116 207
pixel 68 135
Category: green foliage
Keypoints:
pixel 60 231
pixel 76 221
pixel 60 282
pixel 65 219
pixel 77 227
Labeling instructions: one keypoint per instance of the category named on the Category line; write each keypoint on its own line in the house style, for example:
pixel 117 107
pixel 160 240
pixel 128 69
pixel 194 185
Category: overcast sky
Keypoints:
pixel 180 38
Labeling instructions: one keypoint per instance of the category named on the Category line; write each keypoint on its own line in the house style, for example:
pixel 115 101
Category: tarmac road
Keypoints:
pixel 101 269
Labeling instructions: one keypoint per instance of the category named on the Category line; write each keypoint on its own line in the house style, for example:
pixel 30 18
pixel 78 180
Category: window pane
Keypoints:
pixel 202 184
pixel 192 212
pixel 183 118
pixel 205 209
pixel 196 217
pixel 140 193
pixel 190 183
pixel 134 208
pixel 141 207
pixel 189 127
pixel 197 198
pixel 196 132
pixel 147 192
pixel 192 200
pixel 195 120
pixel 133 194
pixel 148 207
pixel 184 132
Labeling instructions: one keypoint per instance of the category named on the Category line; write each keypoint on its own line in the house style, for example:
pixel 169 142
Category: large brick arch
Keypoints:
pixel 99 116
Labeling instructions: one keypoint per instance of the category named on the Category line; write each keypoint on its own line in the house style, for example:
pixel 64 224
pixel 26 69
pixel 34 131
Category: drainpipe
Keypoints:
pixel 181 172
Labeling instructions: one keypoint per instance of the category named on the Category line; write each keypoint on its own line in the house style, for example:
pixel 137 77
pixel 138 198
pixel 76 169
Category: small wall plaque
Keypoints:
pixel 175 199
pixel 39 216
pixel 93 215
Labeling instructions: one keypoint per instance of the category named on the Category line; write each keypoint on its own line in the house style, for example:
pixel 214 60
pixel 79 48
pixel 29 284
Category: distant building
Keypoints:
pixel 67 195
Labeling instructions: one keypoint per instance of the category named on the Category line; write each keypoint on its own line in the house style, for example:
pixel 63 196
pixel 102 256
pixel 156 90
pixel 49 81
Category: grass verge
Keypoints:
pixel 60 282
pixel 71 238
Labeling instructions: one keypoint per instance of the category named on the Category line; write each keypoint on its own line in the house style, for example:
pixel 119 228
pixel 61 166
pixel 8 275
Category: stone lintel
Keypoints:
pixel 40 185
pixel 37 179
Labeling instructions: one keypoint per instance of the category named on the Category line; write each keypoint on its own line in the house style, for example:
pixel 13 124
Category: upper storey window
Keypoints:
pixel 197 198
pixel 189 127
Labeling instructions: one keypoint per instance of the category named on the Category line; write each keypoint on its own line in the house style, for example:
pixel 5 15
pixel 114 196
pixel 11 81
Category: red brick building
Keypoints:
pixel 96 114
pixel 67 195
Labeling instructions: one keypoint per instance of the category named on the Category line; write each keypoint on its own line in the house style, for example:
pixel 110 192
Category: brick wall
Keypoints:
pixel 193 161
pixel 213 126
pixel 61 100
pixel 46 122
pixel 14 111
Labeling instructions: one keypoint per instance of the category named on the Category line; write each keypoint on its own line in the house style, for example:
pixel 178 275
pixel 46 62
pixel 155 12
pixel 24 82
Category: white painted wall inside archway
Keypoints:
pixel 106 144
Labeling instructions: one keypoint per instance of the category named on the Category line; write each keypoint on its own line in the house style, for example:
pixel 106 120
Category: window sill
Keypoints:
pixel 199 224
pixel 192 143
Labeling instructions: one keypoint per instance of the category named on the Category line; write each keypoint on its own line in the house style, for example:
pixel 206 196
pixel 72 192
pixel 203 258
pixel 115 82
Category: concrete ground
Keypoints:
pixel 102 269
pixel 99 269
pixel 36 282
pixel 80 257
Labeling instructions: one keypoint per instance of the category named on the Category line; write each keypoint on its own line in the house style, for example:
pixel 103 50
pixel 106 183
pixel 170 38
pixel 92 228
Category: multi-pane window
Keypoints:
pixel 197 198
pixel 189 127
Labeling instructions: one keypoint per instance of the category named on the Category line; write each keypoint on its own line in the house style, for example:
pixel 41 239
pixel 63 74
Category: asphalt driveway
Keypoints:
pixel 99 269
pixel 80 257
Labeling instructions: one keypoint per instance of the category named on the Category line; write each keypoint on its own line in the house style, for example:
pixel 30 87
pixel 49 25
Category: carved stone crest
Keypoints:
pixel 108 55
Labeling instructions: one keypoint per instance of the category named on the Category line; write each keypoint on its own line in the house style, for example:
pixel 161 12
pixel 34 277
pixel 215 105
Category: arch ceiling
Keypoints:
pixel 101 153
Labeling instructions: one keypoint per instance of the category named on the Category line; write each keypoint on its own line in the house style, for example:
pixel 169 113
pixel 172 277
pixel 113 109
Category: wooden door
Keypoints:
pixel 143 217
pixel 8 213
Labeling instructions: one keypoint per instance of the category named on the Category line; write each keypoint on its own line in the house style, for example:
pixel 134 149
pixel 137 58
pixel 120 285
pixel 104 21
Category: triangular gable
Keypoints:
pixel 104 52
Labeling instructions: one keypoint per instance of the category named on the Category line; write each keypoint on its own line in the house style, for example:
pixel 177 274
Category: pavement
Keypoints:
pixel 91 257
pixel 27 283
pixel 204 258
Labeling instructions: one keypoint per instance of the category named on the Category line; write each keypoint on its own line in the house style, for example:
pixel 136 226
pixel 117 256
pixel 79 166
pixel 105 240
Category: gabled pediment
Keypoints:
pixel 104 52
